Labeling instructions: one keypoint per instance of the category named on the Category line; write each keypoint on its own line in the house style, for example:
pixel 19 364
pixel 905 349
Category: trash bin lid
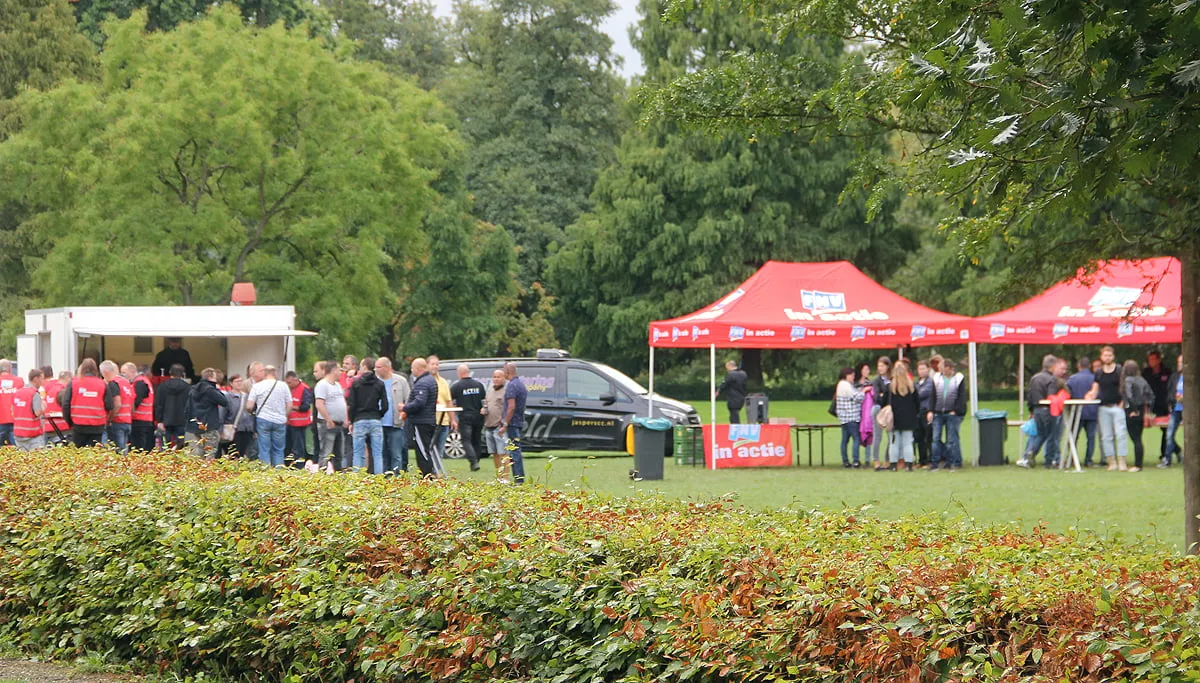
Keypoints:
pixel 658 424
pixel 991 414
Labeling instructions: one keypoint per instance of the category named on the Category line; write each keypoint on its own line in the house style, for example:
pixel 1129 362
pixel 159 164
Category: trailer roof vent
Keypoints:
pixel 243 294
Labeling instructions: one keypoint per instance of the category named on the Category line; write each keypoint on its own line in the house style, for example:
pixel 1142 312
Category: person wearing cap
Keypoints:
pixel 172 355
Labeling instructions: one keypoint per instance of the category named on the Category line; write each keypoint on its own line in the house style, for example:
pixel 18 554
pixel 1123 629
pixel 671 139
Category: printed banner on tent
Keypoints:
pixel 810 306
pixel 749 445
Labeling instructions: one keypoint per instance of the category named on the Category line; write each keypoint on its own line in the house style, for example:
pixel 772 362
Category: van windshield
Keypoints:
pixel 622 380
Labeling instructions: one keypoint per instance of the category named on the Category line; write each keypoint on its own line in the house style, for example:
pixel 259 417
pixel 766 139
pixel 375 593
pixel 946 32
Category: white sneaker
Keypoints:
pixel 1023 463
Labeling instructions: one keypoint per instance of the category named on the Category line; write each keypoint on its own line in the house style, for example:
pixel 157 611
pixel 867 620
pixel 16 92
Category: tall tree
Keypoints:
pixel 1071 131
pixel 405 36
pixel 537 97
pixel 164 16
pixel 682 217
pixel 39 47
pixel 217 153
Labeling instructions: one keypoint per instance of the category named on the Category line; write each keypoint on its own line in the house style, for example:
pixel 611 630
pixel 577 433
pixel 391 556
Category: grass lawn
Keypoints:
pixel 1147 504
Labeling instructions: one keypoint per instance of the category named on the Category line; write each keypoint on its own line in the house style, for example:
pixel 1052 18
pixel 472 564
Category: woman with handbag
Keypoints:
pixel 848 401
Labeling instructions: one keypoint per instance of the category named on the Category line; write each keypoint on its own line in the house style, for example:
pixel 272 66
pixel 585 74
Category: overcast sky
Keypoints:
pixel 617 27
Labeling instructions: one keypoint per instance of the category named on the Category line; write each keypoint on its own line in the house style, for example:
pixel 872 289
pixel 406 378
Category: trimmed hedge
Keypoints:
pixel 191 566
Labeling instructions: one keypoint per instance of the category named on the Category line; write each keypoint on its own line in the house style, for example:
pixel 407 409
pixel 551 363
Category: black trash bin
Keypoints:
pixel 756 408
pixel 993 432
pixel 650 446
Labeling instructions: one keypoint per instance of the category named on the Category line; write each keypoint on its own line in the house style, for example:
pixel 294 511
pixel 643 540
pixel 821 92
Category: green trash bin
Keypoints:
pixel 993 432
pixel 650 446
pixel 688 446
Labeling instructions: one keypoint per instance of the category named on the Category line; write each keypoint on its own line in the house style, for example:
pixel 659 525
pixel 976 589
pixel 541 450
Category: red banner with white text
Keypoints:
pixel 749 445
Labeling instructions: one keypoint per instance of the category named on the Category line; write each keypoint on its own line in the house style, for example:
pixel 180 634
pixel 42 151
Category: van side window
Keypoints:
pixel 541 381
pixel 586 385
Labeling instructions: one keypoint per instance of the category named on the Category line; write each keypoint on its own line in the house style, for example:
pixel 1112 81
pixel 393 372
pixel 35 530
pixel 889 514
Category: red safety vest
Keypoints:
pixel 52 411
pixel 9 383
pixel 145 411
pixel 297 417
pixel 87 402
pixel 26 425
pixel 125 412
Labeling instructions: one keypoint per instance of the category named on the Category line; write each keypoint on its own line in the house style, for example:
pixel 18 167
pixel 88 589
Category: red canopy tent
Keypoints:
pixel 808 306
pixel 1122 302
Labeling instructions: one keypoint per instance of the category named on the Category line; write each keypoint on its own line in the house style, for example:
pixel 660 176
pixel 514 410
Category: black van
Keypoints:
pixel 573 404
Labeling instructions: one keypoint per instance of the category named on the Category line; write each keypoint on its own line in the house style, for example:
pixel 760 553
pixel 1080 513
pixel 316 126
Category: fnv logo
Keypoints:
pixel 698 332
pixel 996 330
pixel 88 394
pixel 857 333
pixel 737 333
pixel 1061 330
pixel 918 332
pixel 822 302
pixel 798 332
pixel 659 334
pixel 743 434
pixel 676 333
pixel 1124 329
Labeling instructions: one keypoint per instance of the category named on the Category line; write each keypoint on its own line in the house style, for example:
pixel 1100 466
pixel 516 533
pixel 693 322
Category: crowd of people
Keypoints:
pixel 1131 399
pixel 894 416
pixel 356 415
pixel 918 417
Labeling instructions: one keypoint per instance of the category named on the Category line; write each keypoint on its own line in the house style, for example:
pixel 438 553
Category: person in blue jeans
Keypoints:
pixel 515 395
pixel 949 407
pixel 269 401
pixel 366 406
pixel 848 400
pixel 1079 385
pixel 1175 399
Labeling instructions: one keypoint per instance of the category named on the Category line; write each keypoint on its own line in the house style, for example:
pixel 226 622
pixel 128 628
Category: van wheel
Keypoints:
pixel 454 446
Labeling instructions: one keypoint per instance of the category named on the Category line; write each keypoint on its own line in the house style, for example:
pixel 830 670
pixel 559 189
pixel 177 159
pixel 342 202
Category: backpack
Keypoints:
pixel 885 418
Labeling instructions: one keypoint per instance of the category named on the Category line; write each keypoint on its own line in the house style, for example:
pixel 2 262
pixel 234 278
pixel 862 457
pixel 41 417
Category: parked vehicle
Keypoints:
pixel 574 404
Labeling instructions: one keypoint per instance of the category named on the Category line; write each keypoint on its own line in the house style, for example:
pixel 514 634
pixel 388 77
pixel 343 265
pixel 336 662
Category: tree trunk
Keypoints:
pixel 752 365
pixel 1191 393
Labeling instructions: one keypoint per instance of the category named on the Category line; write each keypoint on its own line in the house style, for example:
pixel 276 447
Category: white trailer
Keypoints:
pixel 223 337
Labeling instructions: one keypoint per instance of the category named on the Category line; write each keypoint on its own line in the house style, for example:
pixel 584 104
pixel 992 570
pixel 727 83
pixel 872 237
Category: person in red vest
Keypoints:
pixel 120 420
pixel 28 407
pixel 52 388
pixel 9 383
pixel 299 418
pixel 141 432
pixel 86 405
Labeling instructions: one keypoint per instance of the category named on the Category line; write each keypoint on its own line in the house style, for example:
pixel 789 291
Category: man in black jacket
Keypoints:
pixel 1042 386
pixel 365 407
pixel 421 414
pixel 734 388
pixel 171 407
pixel 467 394
pixel 204 423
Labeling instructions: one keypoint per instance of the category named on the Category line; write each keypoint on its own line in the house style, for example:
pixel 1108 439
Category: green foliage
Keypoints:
pixel 191 566
pixel 165 15
pixel 536 93
pixel 405 37
pixel 682 217
pixel 218 153
pixel 1066 130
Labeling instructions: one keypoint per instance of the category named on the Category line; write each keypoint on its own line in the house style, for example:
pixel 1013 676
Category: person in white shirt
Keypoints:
pixel 269 401
pixel 331 419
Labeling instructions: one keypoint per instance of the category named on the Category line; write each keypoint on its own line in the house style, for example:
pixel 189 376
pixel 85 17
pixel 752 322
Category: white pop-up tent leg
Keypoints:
pixel 712 401
pixel 973 360
pixel 650 398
